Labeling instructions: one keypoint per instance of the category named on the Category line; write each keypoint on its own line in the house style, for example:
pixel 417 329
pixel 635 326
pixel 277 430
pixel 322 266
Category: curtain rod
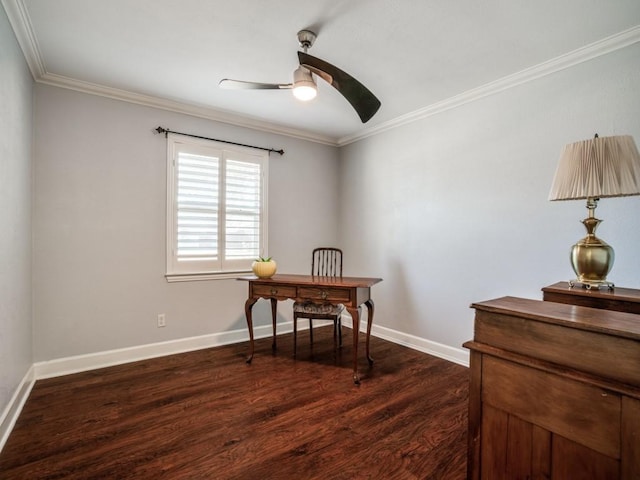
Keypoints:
pixel 166 132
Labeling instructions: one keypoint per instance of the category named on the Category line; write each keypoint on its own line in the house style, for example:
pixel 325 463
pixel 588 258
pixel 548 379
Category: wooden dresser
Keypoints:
pixel 554 393
pixel 619 299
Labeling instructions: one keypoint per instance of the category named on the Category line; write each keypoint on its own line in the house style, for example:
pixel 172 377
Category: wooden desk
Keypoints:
pixel 554 392
pixel 618 299
pixel 348 291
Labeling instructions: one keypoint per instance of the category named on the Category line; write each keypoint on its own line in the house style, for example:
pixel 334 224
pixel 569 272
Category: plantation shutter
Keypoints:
pixel 243 207
pixel 197 207
pixel 216 208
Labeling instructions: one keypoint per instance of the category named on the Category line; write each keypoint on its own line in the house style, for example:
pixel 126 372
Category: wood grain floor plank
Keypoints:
pixel 208 415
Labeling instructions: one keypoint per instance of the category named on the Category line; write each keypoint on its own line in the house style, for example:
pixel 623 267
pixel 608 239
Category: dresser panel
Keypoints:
pixel 578 411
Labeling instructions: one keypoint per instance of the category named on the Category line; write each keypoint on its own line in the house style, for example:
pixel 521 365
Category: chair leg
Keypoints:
pixel 337 331
pixel 295 333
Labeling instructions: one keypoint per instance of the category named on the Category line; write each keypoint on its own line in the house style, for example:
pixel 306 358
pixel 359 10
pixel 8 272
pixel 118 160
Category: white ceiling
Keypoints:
pixel 412 54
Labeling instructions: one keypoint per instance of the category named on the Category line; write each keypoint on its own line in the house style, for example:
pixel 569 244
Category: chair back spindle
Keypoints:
pixel 326 262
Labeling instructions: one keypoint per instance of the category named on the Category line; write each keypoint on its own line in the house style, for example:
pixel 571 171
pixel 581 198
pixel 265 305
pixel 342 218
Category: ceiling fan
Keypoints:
pixel 304 86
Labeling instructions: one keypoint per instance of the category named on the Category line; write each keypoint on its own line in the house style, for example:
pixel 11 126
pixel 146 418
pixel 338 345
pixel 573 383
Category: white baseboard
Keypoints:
pixel 14 407
pixel 109 358
pixel 92 361
pixel 455 355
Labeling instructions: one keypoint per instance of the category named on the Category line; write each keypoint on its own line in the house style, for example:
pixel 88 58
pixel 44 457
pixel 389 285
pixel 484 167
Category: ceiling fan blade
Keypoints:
pixel 229 84
pixel 360 97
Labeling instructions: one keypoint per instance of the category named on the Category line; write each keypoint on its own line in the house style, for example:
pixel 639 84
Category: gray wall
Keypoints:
pixel 15 214
pixel 453 209
pixel 99 225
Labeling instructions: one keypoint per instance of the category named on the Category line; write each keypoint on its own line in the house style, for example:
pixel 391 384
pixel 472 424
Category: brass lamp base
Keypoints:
pixel 592 258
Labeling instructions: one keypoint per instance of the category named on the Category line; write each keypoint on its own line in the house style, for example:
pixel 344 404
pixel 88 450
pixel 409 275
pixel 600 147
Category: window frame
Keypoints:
pixel 177 270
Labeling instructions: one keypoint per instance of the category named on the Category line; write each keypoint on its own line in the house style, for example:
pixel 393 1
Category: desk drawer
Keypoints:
pixel 325 294
pixel 280 291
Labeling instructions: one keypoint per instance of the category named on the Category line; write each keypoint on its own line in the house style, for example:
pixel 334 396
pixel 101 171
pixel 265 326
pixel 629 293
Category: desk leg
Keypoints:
pixel 369 304
pixel 248 305
pixel 274 309
pixel 355 316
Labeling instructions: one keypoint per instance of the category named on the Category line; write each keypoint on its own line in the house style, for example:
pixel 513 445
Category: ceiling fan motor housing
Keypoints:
pixel 306 39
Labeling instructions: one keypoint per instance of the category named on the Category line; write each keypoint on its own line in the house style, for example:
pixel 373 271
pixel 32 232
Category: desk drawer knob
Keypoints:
pixel 274 291
pixel 323 294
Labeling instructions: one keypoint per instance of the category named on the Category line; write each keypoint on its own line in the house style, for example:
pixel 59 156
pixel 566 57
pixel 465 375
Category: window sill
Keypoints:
pixel 197 277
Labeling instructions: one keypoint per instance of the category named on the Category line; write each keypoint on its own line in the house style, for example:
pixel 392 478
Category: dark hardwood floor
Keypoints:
pixel 208 415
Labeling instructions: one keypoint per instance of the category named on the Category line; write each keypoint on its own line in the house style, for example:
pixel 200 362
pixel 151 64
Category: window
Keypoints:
pixel 216 208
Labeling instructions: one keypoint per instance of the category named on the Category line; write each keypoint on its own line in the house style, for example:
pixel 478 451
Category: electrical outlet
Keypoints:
pixel 161 320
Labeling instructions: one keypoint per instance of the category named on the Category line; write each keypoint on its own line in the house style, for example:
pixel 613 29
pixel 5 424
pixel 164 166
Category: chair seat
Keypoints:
pixel 317 308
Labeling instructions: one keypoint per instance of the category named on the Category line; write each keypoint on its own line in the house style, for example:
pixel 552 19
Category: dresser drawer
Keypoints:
pixel 562 344
pixel 276 291
pixel 324 294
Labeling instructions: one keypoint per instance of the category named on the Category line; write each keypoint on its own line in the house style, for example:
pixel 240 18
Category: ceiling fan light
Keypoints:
pixel 305 92
pixel 304 87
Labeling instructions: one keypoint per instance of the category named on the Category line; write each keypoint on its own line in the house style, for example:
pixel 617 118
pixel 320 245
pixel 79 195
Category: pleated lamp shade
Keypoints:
pixel 597 168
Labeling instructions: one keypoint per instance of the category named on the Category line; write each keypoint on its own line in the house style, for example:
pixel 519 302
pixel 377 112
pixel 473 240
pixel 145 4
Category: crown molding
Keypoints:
pixel 602 47
pixel 23 30
pixel 181 107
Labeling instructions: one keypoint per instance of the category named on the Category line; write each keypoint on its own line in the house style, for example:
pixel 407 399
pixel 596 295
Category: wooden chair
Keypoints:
pixel 325 262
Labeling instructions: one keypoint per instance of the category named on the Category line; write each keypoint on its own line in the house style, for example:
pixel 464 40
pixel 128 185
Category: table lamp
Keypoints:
pixel 593 169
